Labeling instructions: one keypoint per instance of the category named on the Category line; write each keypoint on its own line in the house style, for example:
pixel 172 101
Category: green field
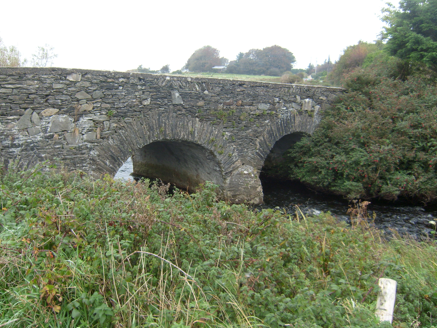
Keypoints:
pixel 240 77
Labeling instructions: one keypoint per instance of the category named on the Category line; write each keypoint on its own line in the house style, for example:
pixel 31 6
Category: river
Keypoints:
pixel 417 221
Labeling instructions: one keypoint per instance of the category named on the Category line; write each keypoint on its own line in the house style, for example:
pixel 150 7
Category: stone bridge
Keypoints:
pixel 179 129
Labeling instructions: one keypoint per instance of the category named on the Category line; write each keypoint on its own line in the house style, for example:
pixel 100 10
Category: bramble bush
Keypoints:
pixel 378 140
pixel 76 252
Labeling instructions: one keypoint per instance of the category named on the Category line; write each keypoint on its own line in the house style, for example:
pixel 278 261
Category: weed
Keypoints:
pixel 77 252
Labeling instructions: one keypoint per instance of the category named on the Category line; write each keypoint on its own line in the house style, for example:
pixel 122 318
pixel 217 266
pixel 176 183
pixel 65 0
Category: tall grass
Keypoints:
pixel 81 253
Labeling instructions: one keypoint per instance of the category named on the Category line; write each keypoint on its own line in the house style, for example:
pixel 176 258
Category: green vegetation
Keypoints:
pixel 165 69
pixel 412 32
pixel 352 58
pixel 378 140
pixel 273 61
pixel 204 59
pixel 81 253
pixel 241 77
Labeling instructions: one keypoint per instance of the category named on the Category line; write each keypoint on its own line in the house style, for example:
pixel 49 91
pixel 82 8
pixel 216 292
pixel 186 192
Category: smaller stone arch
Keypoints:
pixel 291 123
pixel 280 147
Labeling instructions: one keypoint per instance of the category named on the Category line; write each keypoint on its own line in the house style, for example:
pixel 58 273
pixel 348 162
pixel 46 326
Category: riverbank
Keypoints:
pixel 77 252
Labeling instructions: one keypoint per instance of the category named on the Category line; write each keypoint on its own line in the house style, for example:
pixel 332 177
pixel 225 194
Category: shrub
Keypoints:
pixel 378 140
pixel 77 252
pixel 273 72
pixel 290 78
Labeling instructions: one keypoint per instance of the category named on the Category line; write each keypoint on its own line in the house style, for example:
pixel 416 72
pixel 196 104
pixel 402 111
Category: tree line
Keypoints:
pixel 273 61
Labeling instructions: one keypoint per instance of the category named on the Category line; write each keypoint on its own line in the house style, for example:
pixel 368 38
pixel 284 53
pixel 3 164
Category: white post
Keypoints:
pixel 386 299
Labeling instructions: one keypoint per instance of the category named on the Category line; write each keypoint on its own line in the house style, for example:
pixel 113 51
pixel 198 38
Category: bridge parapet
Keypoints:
pixel 94 120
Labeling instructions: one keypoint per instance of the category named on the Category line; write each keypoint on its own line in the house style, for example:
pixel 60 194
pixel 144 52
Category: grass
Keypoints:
pixel 253 78
pixel 239 77
pixel 76 252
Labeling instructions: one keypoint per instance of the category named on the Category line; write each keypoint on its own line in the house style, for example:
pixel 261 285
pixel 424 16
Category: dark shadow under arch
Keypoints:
pixel 276 155
pixel 183 163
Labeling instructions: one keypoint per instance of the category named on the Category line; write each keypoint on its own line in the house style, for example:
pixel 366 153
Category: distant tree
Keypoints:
pixel 204 59
pixel 165 69
pixel 141 69
pixel 43 57
pixel 352 57
pixel 250 63
pixel 310 69
pixel 239 56
pixel 327 67
pixel 9 56
pixel 412 31
pixel 277 57
pixel 233 67
pixel 273 60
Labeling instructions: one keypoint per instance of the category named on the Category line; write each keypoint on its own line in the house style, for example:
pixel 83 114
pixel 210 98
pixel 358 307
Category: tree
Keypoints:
pixel 165 69
pixel 9 56
pixel 239 56
pixel 204 59
pixel 43 57
pixel 412 31
pixel 272 60
pixel 276 57
pixel 352 57
pixel 310 69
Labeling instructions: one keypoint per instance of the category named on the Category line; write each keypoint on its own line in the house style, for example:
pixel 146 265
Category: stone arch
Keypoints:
pixel 280 147
pixel 289 123
pixel 169 130
pixel 184 163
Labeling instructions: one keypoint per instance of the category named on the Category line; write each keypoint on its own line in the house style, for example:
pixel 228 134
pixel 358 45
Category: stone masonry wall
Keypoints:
pixel 94 120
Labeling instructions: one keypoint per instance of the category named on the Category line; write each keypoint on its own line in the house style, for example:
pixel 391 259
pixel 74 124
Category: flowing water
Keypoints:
pixel 124 173
pixel 417 221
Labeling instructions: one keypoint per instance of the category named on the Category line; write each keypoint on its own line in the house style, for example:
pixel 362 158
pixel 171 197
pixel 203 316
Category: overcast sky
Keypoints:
pixel 121 35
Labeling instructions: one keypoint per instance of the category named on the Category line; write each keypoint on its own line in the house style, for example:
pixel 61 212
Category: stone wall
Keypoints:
pixel 94 120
